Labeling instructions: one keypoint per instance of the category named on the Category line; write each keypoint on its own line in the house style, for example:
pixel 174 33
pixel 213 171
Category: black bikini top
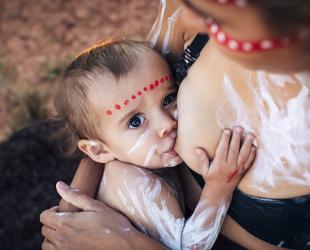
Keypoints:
pixel 189 56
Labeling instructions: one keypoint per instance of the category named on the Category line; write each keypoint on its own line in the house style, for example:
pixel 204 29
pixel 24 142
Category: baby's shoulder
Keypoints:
pixel 122 173
pixel 124 180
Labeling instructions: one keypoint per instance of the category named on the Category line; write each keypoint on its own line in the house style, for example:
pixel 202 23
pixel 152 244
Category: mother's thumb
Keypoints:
pixel 77 198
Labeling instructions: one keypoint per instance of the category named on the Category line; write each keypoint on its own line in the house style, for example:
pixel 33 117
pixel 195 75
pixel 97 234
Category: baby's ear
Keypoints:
pixel 97 151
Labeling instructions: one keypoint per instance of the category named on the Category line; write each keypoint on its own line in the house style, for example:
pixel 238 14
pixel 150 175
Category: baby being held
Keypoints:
pixel 118 106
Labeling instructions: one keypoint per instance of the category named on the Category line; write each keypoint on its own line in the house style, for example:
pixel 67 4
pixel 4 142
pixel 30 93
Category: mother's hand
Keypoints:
pixel 96 227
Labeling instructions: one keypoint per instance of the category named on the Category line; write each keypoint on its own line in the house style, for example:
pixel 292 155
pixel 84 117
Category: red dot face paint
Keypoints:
pixel 140 92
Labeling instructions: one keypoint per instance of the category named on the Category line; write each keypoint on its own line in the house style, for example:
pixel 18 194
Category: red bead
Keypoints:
pixel 109 112
pixel 145 88
pixel 133 97
pixel 139 92
pixel 152 86
pixel 126 102
pixel 117 106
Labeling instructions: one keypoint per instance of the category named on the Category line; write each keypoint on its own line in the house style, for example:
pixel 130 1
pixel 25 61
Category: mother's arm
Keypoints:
pixel 174 29
pixel 96 227
pixel 87 178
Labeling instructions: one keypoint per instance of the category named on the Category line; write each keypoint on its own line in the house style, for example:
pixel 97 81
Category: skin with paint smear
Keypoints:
pixel 137 124
pixel 138 130
pixel 267 93
pixel 196 88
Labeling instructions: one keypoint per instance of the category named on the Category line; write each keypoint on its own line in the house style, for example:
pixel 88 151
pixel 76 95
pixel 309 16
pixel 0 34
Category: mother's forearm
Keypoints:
pixel 87 178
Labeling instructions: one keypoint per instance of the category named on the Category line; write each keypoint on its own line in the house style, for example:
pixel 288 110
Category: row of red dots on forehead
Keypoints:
pixel 149 87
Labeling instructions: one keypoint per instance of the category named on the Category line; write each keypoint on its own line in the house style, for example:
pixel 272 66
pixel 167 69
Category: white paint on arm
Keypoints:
pixel 154 209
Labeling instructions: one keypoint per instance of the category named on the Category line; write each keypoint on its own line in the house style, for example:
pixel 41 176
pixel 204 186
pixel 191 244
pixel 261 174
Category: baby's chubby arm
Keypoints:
pixel 152 206
pixel 145 199
pixel 232 159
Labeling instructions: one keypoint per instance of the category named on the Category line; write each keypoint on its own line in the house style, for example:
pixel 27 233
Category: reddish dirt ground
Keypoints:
pixel 39 37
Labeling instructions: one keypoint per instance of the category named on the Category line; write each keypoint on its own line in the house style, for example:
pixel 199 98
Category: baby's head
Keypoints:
pixel 117 101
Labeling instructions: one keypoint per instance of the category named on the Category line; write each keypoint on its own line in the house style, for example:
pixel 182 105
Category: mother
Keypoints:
pixel 255 71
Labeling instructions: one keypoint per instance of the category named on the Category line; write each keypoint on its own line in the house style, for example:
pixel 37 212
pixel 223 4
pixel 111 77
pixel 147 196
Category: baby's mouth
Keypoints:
pixel 171 158
pixel 172 152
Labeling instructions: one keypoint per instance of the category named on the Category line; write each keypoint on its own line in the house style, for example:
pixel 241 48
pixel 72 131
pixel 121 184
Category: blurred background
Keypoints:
pixel 37 40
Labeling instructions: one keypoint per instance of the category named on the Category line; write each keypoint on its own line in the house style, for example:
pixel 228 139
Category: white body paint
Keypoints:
pixel 143 199
pixel 149 155
pixel 171 23
pixel 283 129
pixel 143 137
pixel 175 114
pixel 156 29
pixel 202 231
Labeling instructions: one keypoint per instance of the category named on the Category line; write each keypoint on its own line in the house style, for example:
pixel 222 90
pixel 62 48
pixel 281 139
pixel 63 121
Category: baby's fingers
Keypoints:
pixel 234 146
pixel 251 158
pixel 203 161
pixel 245 150
pixel 222 148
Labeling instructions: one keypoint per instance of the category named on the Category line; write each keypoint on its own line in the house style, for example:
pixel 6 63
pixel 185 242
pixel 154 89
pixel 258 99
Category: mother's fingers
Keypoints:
pixel 47 245
pixel 48 232
pixel 50 217
pixel 78 198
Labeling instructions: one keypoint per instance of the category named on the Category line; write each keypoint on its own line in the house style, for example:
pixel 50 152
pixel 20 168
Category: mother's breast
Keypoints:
pixel 218 94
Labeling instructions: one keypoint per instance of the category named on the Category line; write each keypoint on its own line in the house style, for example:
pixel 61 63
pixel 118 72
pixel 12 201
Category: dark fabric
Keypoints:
pixel 188 58
pixel 223 243
pixel 30 166
pixel 281 222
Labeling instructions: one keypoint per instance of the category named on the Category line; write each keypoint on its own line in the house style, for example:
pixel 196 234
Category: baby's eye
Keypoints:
pixel 136 121
pixel 169 98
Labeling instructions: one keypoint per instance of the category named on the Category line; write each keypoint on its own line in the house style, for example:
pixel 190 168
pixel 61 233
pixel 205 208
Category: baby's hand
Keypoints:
pixel 232 159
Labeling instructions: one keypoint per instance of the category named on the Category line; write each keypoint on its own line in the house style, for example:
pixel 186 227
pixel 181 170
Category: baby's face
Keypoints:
pixel 137 113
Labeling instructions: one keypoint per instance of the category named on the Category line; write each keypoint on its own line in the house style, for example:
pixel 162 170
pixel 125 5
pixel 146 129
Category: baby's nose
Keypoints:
pixel 167 124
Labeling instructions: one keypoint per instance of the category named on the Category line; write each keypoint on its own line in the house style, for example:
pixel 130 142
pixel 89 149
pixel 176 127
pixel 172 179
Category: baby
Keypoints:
pixel 118 106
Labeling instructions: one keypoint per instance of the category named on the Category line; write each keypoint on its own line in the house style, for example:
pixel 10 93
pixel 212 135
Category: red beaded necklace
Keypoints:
pixel 251 46
pixel 231 43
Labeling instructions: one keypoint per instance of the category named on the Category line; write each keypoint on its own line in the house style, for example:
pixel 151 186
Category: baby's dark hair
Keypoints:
pixel 115 56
